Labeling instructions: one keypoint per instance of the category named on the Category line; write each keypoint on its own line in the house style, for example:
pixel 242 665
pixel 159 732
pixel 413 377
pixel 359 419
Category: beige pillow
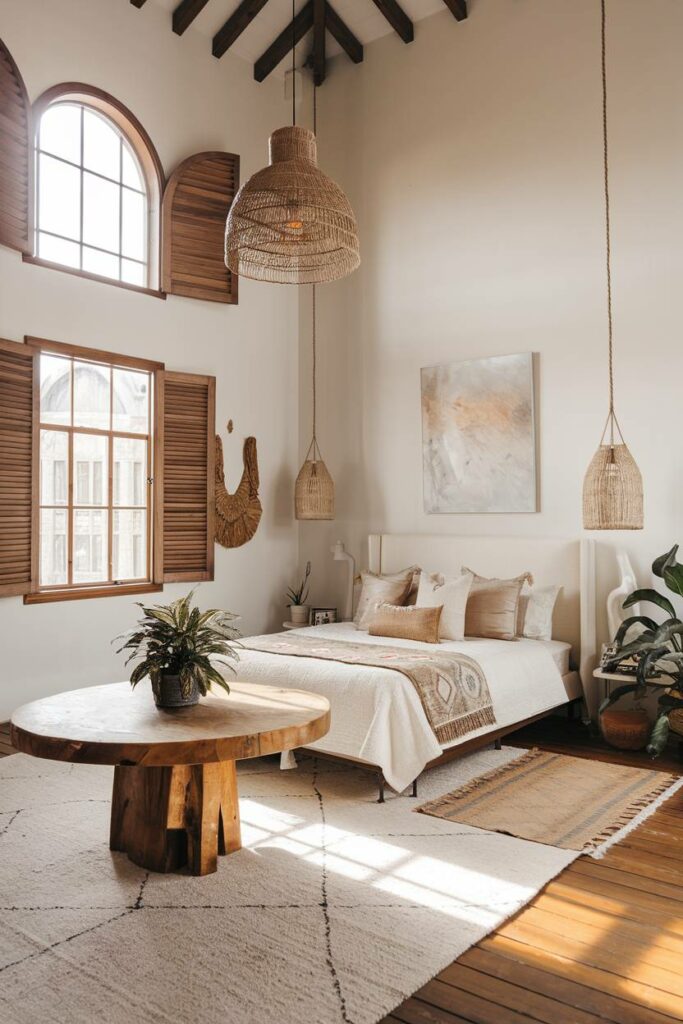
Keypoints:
pixel 492 606
pixel 376 590
pixel 412 593
pixel 452 593
pixel 406 623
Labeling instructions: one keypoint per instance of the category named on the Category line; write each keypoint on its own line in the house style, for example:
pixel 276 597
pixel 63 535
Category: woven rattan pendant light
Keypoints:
pixel 612 487
pixel 290 223
pixel 314 488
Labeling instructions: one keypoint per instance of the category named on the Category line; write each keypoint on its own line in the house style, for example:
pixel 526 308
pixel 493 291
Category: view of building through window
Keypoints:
pixel 95 457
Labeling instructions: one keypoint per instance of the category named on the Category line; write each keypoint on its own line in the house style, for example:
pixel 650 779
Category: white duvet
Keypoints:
pixel 376 713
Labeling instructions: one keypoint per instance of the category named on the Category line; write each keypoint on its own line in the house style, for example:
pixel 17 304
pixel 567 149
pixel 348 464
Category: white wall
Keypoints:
pixel 187 101
pixel 473 159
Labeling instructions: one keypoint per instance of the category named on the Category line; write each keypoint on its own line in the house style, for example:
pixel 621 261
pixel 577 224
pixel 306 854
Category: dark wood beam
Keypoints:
pixel 344 36
pixel 279 49
pixel 458 8
pixel 235 25
pixel 185 13
pixel 319 62
pixel 138 3
pixel 397 18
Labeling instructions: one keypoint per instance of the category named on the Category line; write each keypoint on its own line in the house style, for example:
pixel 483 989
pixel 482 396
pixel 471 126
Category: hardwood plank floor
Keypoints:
pixel 601 943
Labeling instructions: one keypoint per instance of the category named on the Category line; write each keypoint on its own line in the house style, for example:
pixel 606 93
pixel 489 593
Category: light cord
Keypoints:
pixel 608 243
pixel 293 64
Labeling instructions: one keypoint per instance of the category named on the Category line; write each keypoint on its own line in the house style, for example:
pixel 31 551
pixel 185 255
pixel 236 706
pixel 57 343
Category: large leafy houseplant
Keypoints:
pixel 657 649
pixel 176 645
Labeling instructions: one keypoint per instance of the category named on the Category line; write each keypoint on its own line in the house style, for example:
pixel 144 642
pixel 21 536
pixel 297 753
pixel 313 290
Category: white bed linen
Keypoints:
pixel 376 713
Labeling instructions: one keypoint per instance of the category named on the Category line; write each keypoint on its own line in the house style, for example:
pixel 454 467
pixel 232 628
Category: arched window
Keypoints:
pixel 98 187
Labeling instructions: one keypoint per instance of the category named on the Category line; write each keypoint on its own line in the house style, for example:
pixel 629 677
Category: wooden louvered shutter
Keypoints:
pixel 18 468
pixel 195 207
pixel 184 540
pixel 16 175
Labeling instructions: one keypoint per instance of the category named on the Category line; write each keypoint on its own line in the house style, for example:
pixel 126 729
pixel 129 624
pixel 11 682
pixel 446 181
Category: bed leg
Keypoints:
pixel 380 781
pixel 497 745
pixel 571 710
pixel 413 791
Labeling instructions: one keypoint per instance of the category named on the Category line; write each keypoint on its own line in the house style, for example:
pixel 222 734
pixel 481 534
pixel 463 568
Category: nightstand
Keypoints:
pixel 622 678
pixel 295 625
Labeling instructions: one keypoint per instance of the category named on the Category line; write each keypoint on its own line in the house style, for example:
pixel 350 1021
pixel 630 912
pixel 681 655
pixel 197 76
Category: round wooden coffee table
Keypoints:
pixel 175 783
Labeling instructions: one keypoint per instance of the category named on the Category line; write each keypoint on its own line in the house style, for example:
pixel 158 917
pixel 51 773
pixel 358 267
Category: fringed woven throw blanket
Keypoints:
pixel 452 687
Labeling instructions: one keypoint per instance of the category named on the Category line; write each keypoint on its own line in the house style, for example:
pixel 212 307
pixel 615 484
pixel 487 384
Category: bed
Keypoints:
pixel 377 717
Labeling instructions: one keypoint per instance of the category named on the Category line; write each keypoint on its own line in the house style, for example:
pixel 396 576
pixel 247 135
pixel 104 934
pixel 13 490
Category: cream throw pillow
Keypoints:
pixel 451 592
pixel 493 605
pixel 535 612
pixel 376 590
pixel 406 623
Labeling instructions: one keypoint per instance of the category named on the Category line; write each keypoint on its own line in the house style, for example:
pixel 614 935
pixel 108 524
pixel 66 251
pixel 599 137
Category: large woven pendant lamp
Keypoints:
pixel 314 488
pixel 290 223
pixel 612 487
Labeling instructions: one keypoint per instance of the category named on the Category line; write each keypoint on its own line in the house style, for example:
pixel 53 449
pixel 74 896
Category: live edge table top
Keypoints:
pixel 116 725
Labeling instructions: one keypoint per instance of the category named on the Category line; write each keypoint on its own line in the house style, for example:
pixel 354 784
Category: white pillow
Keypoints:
pixel 535 612
pixel 451 592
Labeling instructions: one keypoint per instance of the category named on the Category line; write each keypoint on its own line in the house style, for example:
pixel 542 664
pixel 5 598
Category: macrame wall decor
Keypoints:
pixel 238 514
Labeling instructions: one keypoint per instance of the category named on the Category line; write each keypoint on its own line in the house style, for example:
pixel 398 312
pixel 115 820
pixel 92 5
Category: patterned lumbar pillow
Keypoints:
pixel 535 612
pixel 376 590
pixel 492 606
pixel 406 623
pixel 451 592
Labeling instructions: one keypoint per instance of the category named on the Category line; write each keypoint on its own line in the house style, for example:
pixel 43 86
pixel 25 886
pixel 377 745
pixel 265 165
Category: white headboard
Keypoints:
pixel 568 563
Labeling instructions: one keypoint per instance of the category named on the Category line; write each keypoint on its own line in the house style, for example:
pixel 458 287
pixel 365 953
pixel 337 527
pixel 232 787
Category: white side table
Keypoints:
pixel 610 678
pixel 295 625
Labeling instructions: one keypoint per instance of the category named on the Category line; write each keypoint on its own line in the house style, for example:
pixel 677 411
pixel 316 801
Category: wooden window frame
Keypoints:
pixel 154 509
pixel 150 164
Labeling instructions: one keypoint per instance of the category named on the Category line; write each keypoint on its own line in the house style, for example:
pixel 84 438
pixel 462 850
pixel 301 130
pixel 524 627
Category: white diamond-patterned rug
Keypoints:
pixel 334 911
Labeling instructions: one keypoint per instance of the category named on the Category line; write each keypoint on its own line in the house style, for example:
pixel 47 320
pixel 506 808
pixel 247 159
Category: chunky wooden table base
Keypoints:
pixel 175 782
pixel 164 818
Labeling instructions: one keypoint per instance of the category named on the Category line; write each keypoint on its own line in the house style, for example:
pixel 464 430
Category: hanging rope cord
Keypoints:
pixel 611 415
pixel 293 64
pixel 314 442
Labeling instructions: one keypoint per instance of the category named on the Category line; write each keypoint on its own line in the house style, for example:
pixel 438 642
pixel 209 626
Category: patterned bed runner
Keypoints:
pixel 451 686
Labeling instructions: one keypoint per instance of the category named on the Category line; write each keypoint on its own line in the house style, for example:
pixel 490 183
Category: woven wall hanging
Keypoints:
pixel 238 514
pixel 314 488
pixel 612 487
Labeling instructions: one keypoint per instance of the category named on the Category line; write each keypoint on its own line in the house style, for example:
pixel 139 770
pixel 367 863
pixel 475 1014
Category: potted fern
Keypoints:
pixel 177 645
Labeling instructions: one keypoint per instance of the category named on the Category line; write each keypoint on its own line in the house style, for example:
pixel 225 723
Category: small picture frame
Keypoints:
pixel 323 616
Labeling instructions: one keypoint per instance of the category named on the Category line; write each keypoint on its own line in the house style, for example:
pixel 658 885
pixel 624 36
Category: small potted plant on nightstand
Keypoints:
pixel 298 609
pixel 177 644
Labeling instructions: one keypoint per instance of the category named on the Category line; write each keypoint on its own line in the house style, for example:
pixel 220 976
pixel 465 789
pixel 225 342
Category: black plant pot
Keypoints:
pixel 168 694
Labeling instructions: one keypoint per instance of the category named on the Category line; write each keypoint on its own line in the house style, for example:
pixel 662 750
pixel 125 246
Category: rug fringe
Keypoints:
pixel 481 780
pixel 634 815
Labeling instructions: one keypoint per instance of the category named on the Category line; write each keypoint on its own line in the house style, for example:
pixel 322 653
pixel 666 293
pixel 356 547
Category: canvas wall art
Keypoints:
pixel 479 435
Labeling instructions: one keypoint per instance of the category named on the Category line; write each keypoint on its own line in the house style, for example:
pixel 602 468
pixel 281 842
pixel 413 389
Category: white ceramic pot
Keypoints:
pixel 299 613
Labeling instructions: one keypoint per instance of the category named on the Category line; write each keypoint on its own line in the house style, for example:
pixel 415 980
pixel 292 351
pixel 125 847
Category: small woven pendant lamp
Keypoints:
pixel 314 488
pixel 613 486
pixel 290 223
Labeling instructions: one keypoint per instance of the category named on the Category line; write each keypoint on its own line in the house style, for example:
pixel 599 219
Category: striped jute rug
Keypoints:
pixel 561 801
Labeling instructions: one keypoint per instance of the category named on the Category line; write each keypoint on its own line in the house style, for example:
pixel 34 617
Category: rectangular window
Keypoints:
pixel 96 451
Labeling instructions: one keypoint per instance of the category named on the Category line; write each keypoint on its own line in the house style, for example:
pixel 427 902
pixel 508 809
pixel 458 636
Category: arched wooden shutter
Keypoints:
pixel 195 207
pixel 16 176
pixel 18 468
pixel 185 458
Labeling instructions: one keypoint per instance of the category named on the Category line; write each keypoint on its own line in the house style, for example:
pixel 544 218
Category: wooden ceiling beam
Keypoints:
pixel 397 18
pixel 289 37
pixel 185 13
pixel 343 34
pixel 235 25
pixel 458 8
pixel 319 61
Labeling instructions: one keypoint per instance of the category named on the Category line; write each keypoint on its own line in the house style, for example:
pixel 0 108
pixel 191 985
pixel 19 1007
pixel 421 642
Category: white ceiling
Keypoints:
pixel 362 17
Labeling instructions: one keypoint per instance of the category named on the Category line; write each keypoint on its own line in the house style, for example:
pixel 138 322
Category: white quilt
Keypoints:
pixel 376 713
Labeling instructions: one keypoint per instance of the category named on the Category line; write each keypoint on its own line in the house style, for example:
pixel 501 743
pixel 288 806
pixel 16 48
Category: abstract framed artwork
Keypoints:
pixel 479 436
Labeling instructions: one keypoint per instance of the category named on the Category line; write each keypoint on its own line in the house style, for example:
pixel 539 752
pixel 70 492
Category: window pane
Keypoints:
pixel 59 251
pixel 91 395
pixel 100 212
pixel 131 174
pixel 102 263
pixel 59 207
pixel 133 225
pixel 130 471
pixel 54 467
pixel 91 466
pixel 134 273
pixel 131 401
pixel 53 547
pixel 129 553
pixel 91 555
pixel 55 389
pixel 60 131
pixel 101 146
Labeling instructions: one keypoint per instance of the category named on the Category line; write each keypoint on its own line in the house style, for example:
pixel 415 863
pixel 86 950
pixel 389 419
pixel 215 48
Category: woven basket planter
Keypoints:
pixel 314 489
pixel 613 491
